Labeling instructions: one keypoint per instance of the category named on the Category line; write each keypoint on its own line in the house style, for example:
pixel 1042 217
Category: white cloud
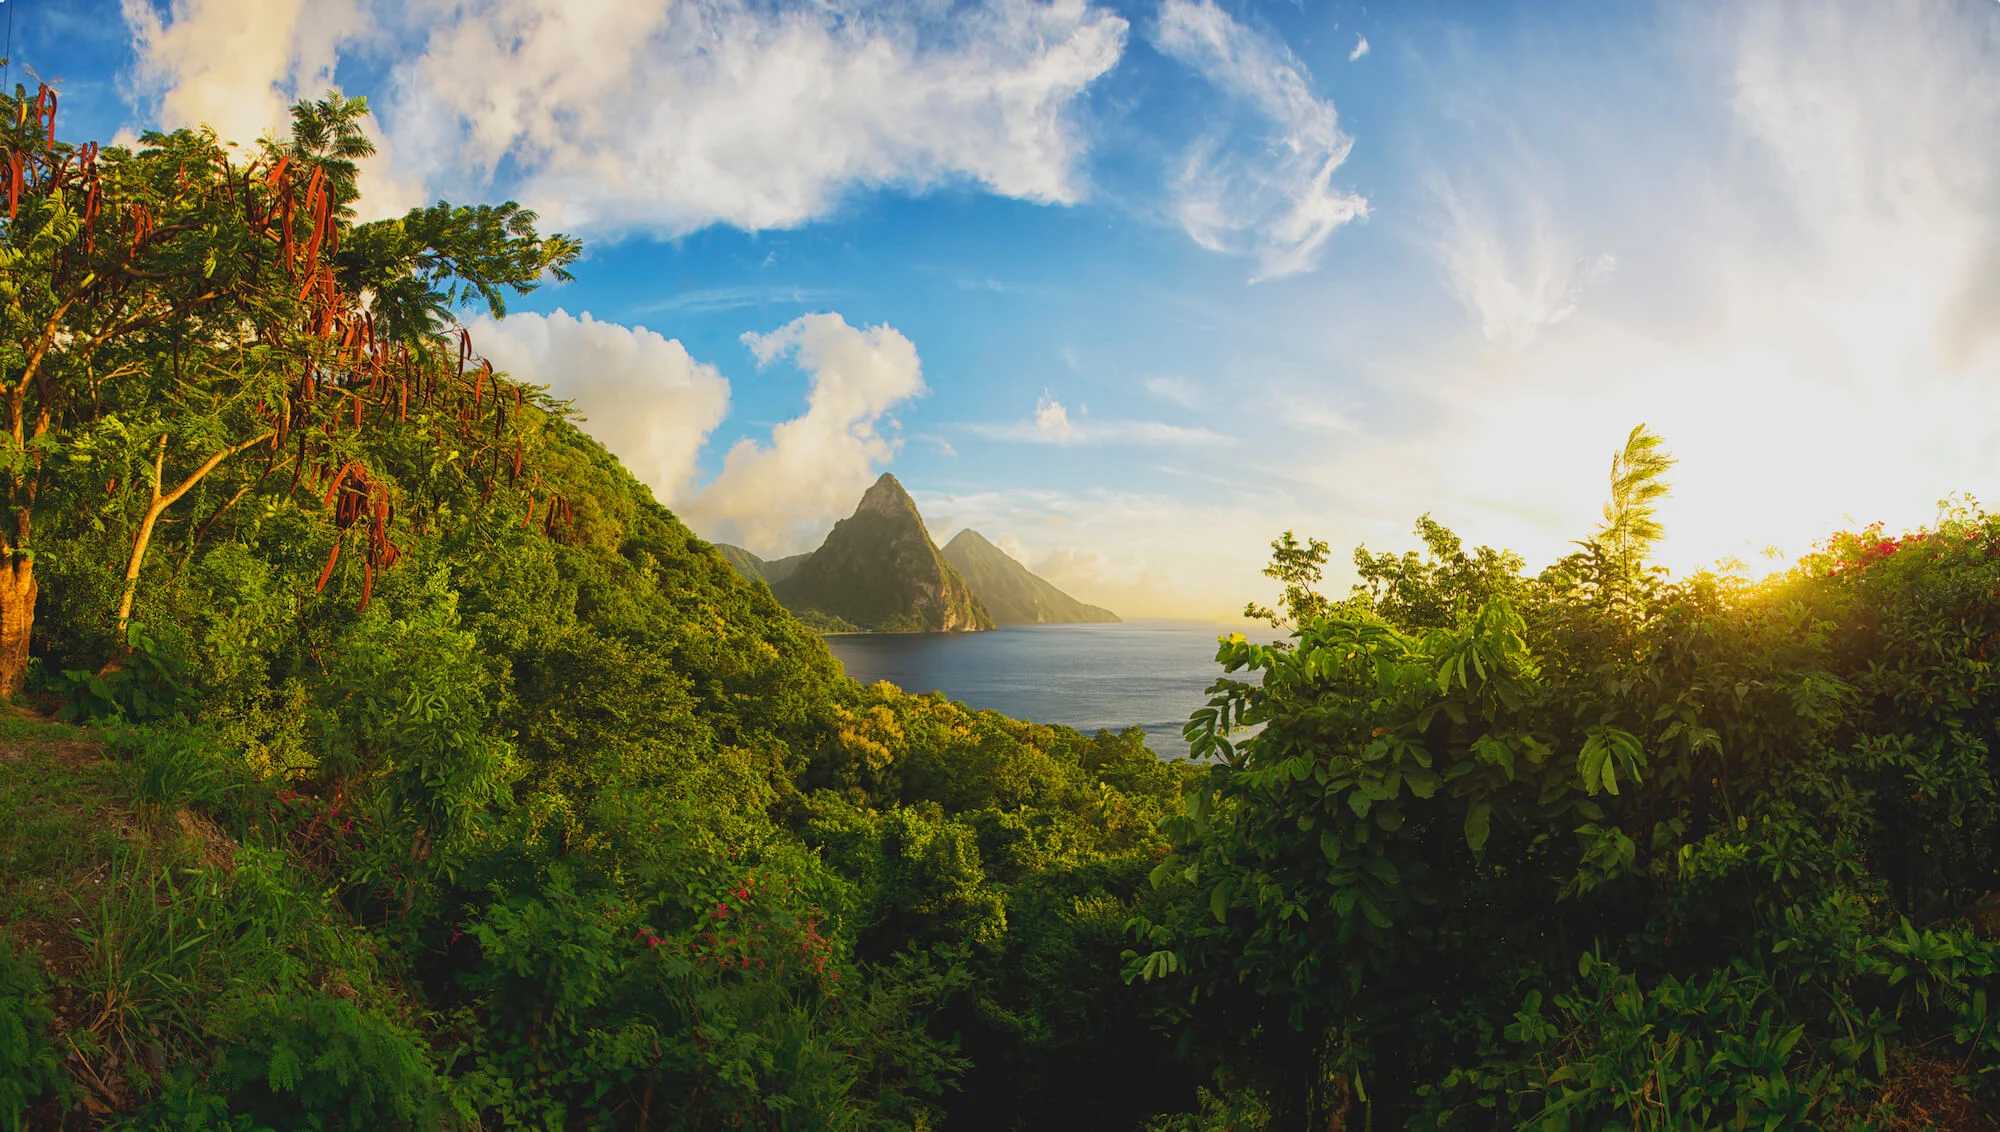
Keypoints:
pixel 1511 265
pixel 641 395
pixel 239 68
pixel 1052 424
pixel 1052 421
pixel 656 116
pixel 1360 49
pixel 1274 201
pixel 711 300
pixel 666 118
pixel 773 496
pixel 236 67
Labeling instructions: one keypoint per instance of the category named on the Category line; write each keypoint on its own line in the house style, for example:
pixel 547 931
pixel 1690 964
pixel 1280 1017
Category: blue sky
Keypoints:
pixel 1134 287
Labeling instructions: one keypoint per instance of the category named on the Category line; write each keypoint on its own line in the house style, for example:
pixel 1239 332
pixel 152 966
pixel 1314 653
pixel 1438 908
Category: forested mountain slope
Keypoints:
pixel 771 570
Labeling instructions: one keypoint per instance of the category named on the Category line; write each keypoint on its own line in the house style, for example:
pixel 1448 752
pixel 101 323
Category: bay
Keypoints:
pixel 1149 674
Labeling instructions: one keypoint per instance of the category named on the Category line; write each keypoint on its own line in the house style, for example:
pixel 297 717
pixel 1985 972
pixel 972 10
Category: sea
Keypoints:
pixel 1150 674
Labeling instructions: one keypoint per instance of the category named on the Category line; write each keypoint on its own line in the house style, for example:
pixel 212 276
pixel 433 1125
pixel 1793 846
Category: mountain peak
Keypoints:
pixel 887 497
pixel 878 569
pixel 1011 593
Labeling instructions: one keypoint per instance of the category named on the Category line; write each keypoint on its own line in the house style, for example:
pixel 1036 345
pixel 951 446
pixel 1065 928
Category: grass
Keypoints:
pixel 63 814
pixel 156 929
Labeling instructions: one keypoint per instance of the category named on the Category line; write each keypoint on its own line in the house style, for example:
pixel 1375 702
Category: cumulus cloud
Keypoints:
pixel 1360 49
pixel 236 67
pixel 239 68
pixel 666 118
pixel 1269 196
pixel 773 496
pixel 1052 421
pixel 640 394
pixel 1052 424
pixel 657 116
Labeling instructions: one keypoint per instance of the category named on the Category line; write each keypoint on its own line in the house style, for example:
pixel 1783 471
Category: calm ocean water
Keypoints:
pixel 1148 673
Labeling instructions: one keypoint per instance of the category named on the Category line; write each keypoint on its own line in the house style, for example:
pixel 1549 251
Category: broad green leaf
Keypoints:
pixel 1478 823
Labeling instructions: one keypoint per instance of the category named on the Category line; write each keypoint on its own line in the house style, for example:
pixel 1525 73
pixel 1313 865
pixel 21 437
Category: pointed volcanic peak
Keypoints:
pixel 879 570
pixel 887 497
pixel 1012 593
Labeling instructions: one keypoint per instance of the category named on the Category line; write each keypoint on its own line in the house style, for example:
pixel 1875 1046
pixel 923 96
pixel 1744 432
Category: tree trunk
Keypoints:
pixel 17 619
pixel 140 542
pixel 156 507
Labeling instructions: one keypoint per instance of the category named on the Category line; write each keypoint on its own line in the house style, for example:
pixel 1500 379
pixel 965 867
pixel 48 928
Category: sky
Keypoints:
pixel 1134 288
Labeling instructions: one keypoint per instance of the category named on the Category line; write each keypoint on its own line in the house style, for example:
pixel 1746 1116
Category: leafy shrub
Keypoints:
pixel 148 683
pixel 314 1061
pixel 1760 812
pixel 29 1066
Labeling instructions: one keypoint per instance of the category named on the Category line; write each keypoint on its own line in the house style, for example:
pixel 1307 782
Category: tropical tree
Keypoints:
pixel 167 310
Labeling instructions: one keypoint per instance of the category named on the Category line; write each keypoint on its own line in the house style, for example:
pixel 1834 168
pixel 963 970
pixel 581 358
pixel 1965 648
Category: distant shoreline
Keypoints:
pixel 1220 627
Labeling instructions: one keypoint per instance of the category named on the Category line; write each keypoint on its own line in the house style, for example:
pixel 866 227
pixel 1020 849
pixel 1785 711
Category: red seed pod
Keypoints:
pixel 45 109
pixel 327 573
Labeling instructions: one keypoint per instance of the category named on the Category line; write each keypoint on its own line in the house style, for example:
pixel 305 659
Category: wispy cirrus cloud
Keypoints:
pixel 1176 390
pixel 1511 265
pixel 1053 424
pixel 1267 193
pixel 709 300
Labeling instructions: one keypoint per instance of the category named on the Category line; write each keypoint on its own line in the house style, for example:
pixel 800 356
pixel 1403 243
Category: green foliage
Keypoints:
pixel 1638 480
pixel 150 684
pixel 313 1061
pixel 1761 814
pixel 29 1067
pixel 1298 569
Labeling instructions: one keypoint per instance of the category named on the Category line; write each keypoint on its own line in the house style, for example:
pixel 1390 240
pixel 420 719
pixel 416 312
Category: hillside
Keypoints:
pixel 878 569
pixel 1012 593
pixel 771 570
